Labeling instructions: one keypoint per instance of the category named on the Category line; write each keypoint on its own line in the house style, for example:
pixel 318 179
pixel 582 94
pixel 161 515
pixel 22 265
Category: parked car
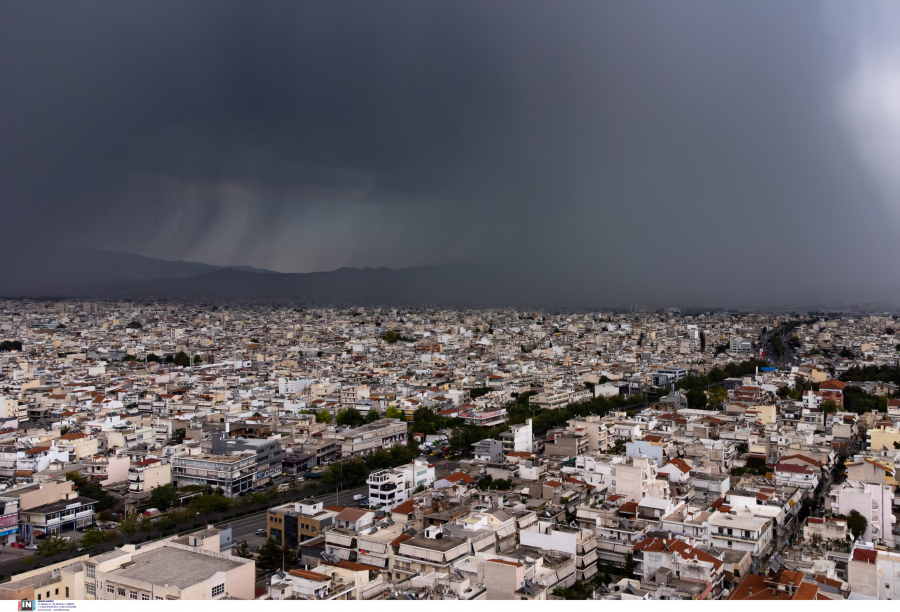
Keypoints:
pixel 18 544
pixel 31 547
pixel 262 532
pixel 359 497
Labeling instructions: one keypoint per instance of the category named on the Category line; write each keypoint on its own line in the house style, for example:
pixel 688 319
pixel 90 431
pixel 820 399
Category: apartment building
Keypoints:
pixel 233 474
pixel 429 551
pixel 743 532
pixel 148 474
pixel 361 441
pixel 297 522
pixel 392 487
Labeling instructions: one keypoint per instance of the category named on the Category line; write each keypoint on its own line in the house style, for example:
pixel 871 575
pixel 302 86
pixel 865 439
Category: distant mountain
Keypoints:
pixel 37 270
pixel 62 272
pixel 456 284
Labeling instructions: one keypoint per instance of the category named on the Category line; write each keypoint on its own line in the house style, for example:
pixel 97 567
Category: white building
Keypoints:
pixel 873 501
pixel 390 488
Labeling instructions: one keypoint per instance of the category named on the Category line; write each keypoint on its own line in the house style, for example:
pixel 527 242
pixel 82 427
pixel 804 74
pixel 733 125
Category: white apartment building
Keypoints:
pixel 393 487
pixel 873 501
pixel 741 531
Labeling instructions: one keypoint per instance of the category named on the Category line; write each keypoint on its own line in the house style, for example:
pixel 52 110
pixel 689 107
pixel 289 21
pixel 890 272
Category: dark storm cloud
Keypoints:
pixel 643 151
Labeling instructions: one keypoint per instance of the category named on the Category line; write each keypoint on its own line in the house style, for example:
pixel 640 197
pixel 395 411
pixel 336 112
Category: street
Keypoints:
pixel 245 528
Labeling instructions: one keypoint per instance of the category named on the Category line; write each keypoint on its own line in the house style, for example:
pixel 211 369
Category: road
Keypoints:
pixel 245 528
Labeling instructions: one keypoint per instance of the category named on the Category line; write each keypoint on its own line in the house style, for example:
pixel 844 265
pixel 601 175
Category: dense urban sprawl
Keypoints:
pixel 288 453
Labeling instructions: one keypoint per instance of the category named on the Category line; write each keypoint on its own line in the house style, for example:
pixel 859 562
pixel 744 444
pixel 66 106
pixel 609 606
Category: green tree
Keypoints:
pixel 197 360
pixel 350 417
pixel 372 415
pixel 696 399
pixel 778 346
pixel 63 430
pixel 274 557
pixel 51 546
pixel 182 359
pixel 717 397
pixel 129 526
pixel 164 497
pixel 134 325
pixel 857 523
pixel 151 358
pixel 346 471
pixel 794 342
pixel 92 537
pixel 209 504
pixel 392 412
pixel 829 406
pixel 323 416
pixel 243 550
pixel 178 436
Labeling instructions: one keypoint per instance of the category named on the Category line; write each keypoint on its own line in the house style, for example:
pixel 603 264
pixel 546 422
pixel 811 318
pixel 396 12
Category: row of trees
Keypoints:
pixel 10 345
pixel 353 417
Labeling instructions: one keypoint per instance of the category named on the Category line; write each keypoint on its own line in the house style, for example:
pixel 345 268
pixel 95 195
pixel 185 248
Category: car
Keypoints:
pixel 262 532
pixel 18 544
pixel 359 497
pixel 31 547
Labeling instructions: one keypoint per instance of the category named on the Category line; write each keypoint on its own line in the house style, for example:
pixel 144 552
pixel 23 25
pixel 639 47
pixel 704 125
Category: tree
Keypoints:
pixel 273 557
pixel 164 497
pixel 243 550
pixel 830 406
pixel 52 546
pixel 350 417
pixel 778 347
pixel 209 504
pixel 323 416
pixel 63 430
pixel 372 415
pixel 129 526
pixel 857 523
pixel 134 325
pixel 197 360
pixel 92 537
pixel 152 357
pixel 846 353
pixel 10 345
pixel 392 413
pixel 696 399
pixel 178 436
pixel 794 342
pixel 717 397
pixel 182 359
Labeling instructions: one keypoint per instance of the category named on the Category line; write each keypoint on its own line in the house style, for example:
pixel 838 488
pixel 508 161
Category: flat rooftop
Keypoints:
pixel 175 567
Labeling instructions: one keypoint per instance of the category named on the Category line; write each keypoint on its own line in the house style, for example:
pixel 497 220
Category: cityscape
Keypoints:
pixel 388 453
pixel 389 300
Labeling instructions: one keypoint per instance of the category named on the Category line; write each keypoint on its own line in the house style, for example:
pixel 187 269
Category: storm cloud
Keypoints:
pixel 711 153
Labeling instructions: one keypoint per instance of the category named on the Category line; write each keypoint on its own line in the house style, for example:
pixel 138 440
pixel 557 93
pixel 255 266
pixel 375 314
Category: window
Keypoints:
pixel 218 589
pixel 110 588
pixel 56 592
pixel 158 598
pixel 39 596
pixel 121 591
pixel 67 592
pixel 91 571
pixel 90 589
pixel 132 594
pixel 145 597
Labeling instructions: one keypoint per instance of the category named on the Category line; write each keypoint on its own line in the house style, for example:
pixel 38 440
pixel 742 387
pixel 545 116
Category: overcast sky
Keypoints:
pixel 691 149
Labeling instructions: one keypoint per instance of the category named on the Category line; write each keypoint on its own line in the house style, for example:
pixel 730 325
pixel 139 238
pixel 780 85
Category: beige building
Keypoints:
pixel 148 474
pixel 164 570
